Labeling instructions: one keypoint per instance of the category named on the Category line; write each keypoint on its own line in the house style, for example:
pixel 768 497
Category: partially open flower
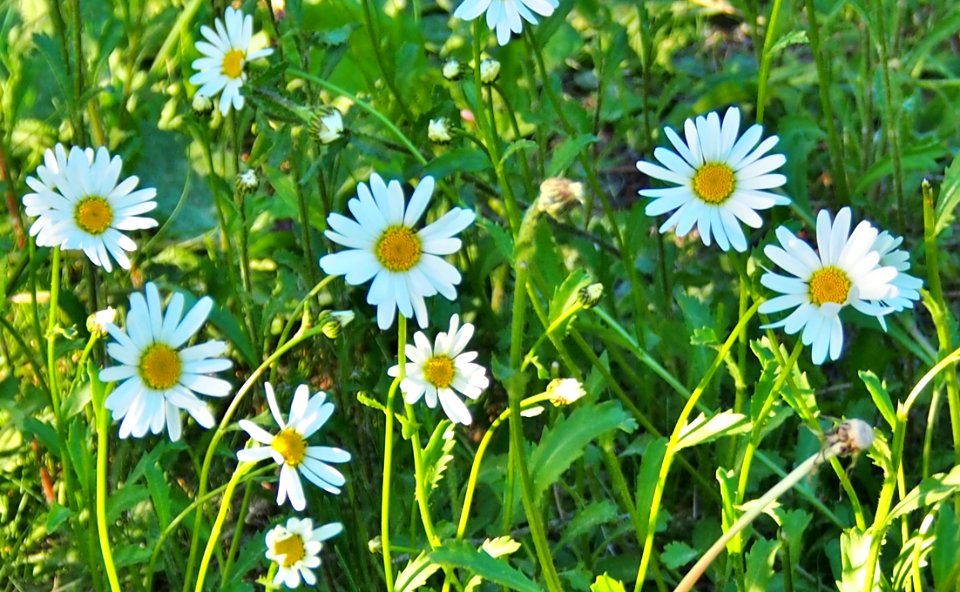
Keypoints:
pixel 327 125
pixel 565 391
pixel 247 182
pixel 98 321
pixel 489 71
pixel 452 69
pixel 439 130
pixel 202 105
pixel 590 296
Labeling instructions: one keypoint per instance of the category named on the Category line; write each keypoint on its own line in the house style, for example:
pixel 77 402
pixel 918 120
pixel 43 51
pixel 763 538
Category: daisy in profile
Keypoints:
pixel 442 370
pixel 721 179
pixel 225 53
pixel 289 449
pixel 295 548
pixel 81 204
pixel 158 376
pixel 908 286
pixel 845 272
pixel 405 264
pixel 504 16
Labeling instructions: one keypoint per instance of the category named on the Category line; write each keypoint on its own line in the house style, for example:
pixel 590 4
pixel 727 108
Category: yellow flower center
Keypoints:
pixel 398 248
pixel 829 284
pixel 291 446
pixel 160 367
pixel 93 214
pixel 233 63
pixel 714 182
pixel 292 550
pixel 439 371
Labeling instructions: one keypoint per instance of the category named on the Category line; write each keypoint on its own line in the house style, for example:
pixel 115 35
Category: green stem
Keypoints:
pixel 221 431
pixel 385 496
pixel 214 539
pixel 767 60
pixel 826 104
pixel 672 444
pixel 375 38
pixel 237 532
pixel 890 112
pixel 103 436
pixel 53 375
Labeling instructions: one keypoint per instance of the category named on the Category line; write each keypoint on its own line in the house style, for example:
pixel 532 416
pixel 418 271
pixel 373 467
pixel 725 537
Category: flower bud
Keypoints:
pixel 247 182
pixel 439 130
pixel 489 71
pixel 452 69
pixel 202 105
pixel 564 391
pixel 327 125
pixel 559 194
pixel 335 323
pixel 98 321
pixel 589 296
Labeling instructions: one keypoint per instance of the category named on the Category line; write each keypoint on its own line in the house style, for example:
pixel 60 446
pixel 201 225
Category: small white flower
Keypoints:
pixel 846 272
pixel 80 205
pixel 908 286
pixel 565 391
pixel 225 53
pixel 504 16
pixel 158 377
pixel 721 180
pixel 452 69
pixel 489 70
pixel 327 125
pixel 247 181
pixel 442 370
pixel 289 449
pixel 201 104
pixel 405 264
pixel 438 130
pixel 98 321
pixel 295 548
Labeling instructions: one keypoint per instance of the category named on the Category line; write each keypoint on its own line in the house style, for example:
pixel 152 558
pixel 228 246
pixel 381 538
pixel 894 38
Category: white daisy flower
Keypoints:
pixel 80 205
pixel 443 370
pixel 908 286
pixel 158 377
pixel 225 53
pixel 846 272
pixel 504 16
pixel 405 264
pixel 722 180
pixel 289 449
pixel 295 548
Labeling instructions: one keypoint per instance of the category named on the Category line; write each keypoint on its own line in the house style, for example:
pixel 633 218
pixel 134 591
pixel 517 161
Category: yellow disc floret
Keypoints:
pixel 93 214
pixel 829 284
pixel 398 248
pixel 439 371
pixel 714 182
pixel 160 367
pixel 291 548
pixel 233 63
pixel 291 446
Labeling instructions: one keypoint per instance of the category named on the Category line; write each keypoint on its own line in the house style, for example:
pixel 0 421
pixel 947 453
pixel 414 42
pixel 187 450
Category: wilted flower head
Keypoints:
pixel 98 321
pixel 558 195
pixel 439 130
pixel 327 125
pixel 489 70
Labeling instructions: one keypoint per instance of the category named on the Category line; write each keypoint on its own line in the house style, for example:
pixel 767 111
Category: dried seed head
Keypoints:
pixel 851 437
pixel 559 195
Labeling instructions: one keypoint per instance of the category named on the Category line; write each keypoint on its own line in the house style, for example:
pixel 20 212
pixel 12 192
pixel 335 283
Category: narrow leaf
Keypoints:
pixel 461 555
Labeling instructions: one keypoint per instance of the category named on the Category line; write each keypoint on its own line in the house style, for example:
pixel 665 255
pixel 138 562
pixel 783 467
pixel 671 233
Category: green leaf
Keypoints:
pixel 501 237
pixel 460 160
pixel 159 493
pixel 587 520
pixel 648 476
pixel 436 455
pixel 416 573
pixel 516 146
pixel 795 37
pixel 677 554
pixel 461 555
pixel 930 491
pixel 881 398
pixel 124 499
pixel 567 152
pixel 605 583
pixel 702 430
pixel 56 517
pixel 949 196
pixel 760 565
pixel 945 555
pixel 918 157
pixel 566 441
pixel 854 550
pixel 227 323
pixel 566 294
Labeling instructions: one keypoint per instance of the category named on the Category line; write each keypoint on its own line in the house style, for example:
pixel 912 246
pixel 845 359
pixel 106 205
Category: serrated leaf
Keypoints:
pixel 604 583
pixel 567 152
pixel 881 398
pixel 436 455
pixel 566 294
pixel 760 565
pixel 921 156
pixel 702 430
pixel 588 519
pixel 416 573
pixel 949 196
pixel 854 550
pixel 566 441
pixel 677 554
pixel 461 555
pixel 930 491
pixel 501 237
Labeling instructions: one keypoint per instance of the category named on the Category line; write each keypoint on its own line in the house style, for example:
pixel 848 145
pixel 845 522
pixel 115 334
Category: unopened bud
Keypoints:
pixel 202 105
pixel 375 545
pixel 564 391
pixel 438 130
pixel 590 296
pixel 98 321
pixel 452 69
pixel 559 194
pixel 327 125
pixel 247 182
pixel 489 71
pixel 335 323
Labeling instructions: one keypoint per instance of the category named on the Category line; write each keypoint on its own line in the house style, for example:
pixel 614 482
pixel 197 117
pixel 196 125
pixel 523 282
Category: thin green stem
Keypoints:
pixel 385 496
pixel 890 112
pixel 103 454
pixel 214 539
pixel 388 78
pixel 672 444
pixel 237 532
pixel 767 60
